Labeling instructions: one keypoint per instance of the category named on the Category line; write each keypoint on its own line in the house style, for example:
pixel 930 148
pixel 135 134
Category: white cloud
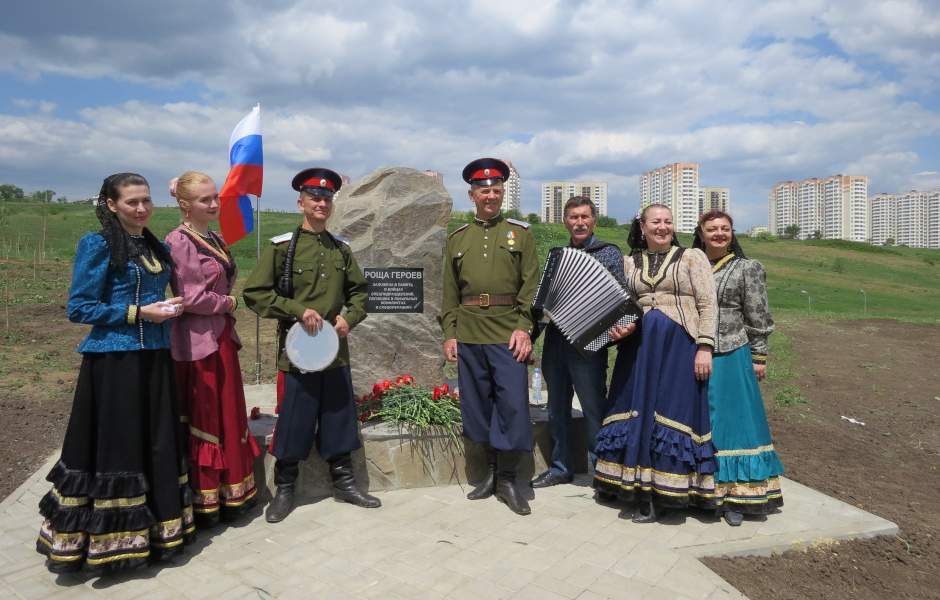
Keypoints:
pixel 601 88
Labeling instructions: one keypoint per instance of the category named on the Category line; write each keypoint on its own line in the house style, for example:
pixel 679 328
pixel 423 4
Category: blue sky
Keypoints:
pixel 756 93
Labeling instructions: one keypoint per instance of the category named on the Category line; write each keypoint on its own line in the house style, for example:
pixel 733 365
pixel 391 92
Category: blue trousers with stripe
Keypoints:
pixel 317 409
pixel 494 397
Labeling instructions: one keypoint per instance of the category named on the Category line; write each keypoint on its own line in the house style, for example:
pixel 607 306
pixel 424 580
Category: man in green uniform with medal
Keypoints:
pixel 491 272
pixel 322 280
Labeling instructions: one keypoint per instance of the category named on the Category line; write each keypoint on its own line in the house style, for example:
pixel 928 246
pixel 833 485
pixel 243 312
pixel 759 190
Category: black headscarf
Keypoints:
pixel 120 243
pixel 697 241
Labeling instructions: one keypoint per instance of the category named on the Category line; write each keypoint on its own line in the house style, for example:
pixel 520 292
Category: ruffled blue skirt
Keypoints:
pixel 655 443
pixel 747 480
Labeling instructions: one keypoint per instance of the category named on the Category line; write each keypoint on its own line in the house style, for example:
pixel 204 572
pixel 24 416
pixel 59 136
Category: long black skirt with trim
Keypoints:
pixel 120 494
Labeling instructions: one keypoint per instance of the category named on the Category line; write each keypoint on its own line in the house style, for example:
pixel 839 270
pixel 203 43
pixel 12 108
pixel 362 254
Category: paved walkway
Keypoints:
pixel 434 543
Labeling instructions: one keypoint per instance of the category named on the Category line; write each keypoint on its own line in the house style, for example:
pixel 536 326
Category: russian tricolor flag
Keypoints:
pixel 236 218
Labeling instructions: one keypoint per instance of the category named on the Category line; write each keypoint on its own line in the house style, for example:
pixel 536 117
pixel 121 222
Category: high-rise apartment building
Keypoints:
pixel 846 210
pixel 884 218
pixel 933 219
pixel 913 208
pixel 675 186
pixel 810 207
pixel 783 206
pixel 713 198
pixel 512 189
pixel 556 193
pixel 837 207
pixel 911 218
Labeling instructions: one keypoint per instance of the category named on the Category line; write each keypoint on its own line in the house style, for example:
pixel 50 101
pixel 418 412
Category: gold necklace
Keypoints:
pixel 153 266
pixel 210 244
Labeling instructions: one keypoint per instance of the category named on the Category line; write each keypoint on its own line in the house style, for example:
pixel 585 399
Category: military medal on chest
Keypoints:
pixel 512 237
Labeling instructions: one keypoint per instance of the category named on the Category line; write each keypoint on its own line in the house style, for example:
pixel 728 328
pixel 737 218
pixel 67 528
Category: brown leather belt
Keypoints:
pixel 485 300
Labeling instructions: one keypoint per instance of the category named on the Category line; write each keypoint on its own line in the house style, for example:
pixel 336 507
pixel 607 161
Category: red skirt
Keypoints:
pixel 222 450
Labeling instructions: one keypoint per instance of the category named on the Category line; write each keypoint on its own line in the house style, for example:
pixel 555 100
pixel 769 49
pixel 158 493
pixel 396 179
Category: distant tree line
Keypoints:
pixel 11 193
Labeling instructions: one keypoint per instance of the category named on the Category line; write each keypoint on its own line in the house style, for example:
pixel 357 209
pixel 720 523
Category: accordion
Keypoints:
pixel 583 299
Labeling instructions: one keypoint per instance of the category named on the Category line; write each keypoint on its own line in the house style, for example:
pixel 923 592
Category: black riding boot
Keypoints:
pixel 344 484
pixel 506 490
pixel 646 513
pixel 488 485
pixel 285 475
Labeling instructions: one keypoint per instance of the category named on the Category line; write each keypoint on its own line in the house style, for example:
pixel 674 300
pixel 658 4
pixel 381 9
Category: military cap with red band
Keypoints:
pixel 486 171
pixel 317 181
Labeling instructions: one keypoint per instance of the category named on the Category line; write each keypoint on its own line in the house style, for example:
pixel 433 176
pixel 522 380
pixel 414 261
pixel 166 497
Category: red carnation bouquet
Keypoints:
pixel 407 403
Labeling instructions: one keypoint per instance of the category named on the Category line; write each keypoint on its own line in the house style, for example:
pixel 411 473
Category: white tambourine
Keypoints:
pixel 311 352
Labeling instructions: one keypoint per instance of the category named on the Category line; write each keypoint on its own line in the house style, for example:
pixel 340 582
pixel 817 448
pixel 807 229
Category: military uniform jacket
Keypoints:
pixel 326 279
pixel 495 257
pixel 743 315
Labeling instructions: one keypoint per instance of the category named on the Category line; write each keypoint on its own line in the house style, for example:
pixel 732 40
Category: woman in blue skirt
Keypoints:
pixel 747 481
pixel 655 444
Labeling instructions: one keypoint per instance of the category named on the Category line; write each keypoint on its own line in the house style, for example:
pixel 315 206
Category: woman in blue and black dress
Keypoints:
pixel 655 445
pixel 748 477
pixel 120 495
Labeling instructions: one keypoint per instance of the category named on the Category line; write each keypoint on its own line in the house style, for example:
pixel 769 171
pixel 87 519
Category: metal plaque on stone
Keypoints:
pixel 395 290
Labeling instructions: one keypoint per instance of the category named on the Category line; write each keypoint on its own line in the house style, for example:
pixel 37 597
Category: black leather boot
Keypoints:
pixel 344 484
pixel 488 486
pixel 645 513
pixel 285 475
pixel 506 490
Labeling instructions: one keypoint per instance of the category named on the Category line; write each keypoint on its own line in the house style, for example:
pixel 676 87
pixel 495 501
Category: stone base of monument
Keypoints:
pixel 395 457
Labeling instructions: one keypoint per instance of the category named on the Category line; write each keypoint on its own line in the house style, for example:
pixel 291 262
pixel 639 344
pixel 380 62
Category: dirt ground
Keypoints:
pixel 884 374
pixel 39 365
pixel 880 372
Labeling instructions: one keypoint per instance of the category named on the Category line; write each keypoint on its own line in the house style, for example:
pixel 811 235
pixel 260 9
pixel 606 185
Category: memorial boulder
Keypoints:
pixel 396 222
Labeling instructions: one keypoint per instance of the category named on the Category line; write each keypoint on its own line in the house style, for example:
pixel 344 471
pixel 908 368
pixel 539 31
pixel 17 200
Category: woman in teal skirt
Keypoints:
pixel 747 480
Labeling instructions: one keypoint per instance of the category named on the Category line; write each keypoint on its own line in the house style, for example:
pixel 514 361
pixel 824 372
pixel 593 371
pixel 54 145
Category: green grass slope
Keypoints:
pixel 899 282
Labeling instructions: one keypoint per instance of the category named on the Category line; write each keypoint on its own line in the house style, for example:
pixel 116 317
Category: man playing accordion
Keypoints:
pixel 566 370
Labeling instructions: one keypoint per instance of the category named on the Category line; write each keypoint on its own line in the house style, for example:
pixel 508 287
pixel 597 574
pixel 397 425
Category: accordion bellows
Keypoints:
pixel 583 299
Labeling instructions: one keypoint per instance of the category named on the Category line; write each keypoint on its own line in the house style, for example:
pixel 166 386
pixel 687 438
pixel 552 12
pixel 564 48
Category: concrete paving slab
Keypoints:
pixel 434 543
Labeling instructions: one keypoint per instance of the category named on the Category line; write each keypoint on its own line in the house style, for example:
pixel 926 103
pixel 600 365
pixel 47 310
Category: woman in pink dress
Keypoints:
pixel 205 348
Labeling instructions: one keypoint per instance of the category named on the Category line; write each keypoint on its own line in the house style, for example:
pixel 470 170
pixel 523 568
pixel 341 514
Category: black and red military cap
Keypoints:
pixel 317 181
pixel 486 171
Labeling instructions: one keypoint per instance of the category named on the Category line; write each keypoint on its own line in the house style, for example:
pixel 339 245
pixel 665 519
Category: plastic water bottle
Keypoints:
pixel 536 387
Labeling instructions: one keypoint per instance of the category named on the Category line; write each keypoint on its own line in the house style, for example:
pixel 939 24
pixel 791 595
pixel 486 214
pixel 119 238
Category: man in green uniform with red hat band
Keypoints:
pixel 323 280
pixel 491 271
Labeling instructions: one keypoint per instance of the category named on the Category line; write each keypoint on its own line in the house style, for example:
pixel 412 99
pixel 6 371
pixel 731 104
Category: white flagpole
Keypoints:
pixel 258 257
pixel 257 316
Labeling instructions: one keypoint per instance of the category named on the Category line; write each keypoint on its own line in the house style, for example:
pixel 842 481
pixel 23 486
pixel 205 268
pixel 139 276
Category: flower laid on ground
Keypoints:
pixel 255 413
pixel 407 403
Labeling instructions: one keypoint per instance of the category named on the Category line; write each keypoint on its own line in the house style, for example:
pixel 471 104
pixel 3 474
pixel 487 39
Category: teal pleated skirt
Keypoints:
pixel 747 480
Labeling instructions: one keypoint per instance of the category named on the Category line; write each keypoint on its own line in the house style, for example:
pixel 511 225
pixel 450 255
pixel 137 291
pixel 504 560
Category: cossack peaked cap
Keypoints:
pixel 317 181
pixel 486 171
